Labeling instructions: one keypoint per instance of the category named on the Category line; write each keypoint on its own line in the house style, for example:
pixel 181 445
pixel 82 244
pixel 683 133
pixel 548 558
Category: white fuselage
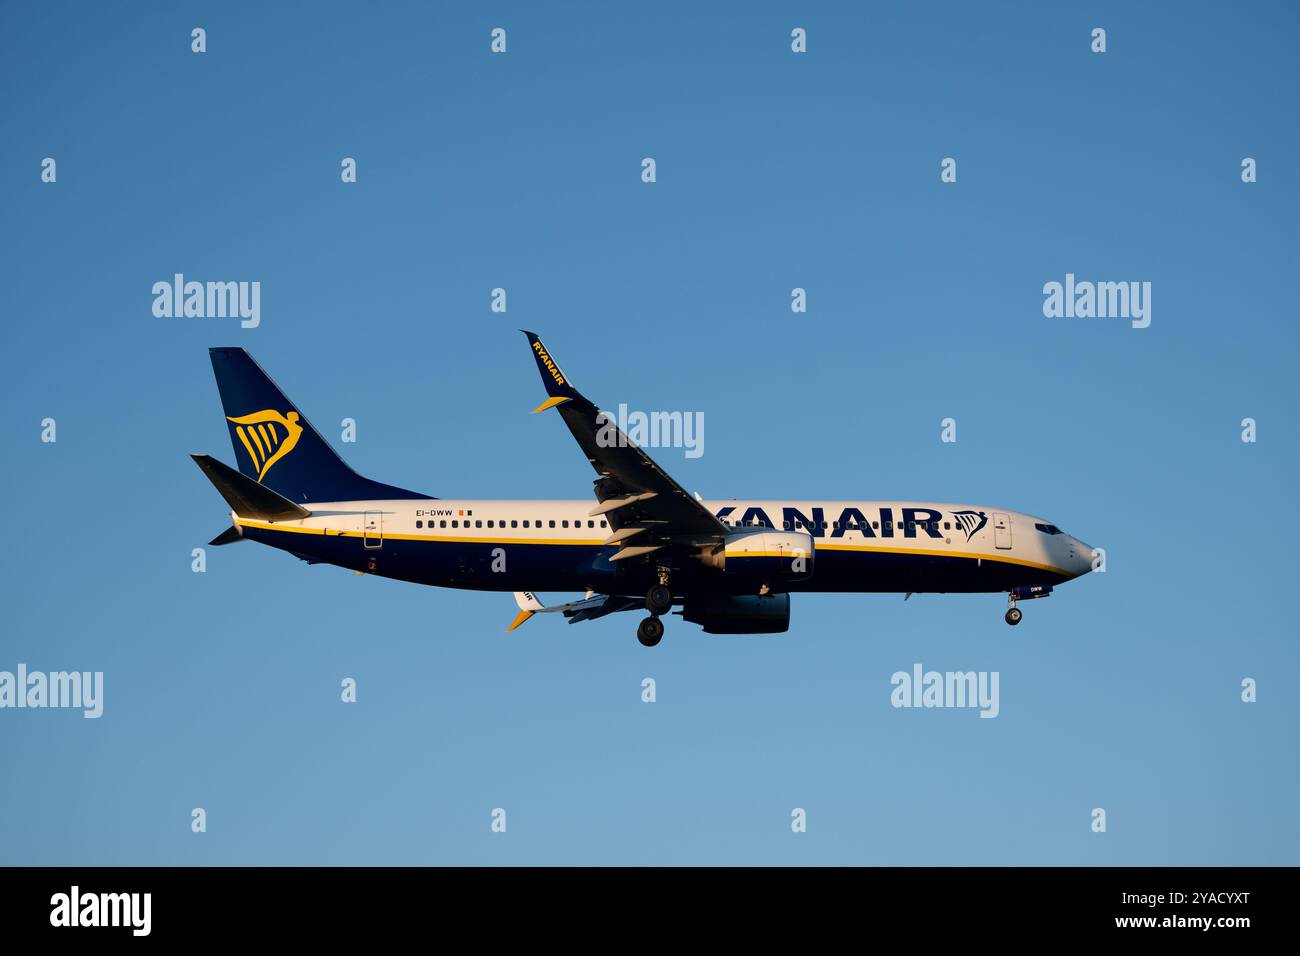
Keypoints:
pixel 905 540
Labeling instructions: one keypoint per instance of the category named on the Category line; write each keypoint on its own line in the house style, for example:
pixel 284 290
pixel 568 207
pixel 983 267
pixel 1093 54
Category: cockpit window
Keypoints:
pixel 1048 528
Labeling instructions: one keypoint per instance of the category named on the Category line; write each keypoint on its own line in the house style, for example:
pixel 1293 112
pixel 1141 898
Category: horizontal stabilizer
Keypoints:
pixel 245 496
pixel 229 536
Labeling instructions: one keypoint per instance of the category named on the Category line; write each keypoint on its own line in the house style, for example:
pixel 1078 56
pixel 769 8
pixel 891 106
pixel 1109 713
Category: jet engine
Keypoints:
pixel 765 556
pixel 740 614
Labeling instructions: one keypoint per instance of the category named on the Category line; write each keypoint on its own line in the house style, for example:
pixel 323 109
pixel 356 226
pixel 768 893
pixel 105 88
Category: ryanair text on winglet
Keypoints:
pixel 550 366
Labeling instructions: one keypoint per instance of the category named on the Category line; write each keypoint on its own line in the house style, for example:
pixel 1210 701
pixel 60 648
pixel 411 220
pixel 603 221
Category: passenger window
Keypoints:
pixel 419 524
pixel 442 523
pixel 552 523
pixel 455 523
pixel 602 522
pixel 514 523
pixel 478 524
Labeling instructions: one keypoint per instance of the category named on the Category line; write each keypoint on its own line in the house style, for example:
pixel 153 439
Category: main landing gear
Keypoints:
pixel 1014 614
pixel 658 600
pixel 650 631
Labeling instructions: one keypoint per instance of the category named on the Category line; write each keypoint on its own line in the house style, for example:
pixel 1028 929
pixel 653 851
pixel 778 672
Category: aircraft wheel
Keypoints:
pixel 1014 615
pixel 650 631
pixel 659 600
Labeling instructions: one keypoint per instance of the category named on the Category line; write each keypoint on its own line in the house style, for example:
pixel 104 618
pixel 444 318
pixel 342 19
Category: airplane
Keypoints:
pixel 646 544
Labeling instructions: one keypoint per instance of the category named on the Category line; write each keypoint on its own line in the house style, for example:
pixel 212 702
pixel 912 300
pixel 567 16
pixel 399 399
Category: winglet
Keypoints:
pixel 557 383
pixel 528 606
pixel 550 403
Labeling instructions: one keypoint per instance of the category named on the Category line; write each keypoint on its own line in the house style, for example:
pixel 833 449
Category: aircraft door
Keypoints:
pixel 1002 531
pixel 373 530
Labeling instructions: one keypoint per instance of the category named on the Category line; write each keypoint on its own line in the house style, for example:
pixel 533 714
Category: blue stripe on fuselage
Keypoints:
pixel 576 567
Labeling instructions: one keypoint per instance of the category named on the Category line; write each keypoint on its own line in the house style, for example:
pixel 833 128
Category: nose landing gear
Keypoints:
pixel 1014 614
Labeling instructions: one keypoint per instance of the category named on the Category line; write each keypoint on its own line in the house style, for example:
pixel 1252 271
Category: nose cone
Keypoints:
pixel 1079 558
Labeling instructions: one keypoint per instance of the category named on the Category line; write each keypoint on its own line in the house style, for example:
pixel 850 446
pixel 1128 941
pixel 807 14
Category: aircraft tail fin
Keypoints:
pixel 276 446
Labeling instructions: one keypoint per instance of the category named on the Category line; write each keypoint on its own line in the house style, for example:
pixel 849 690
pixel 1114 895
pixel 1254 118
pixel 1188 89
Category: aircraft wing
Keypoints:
pixel 592 606
pixel 645 508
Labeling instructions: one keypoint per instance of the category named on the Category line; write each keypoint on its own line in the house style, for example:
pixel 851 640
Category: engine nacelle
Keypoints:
pixel 741 614
pixel 766 556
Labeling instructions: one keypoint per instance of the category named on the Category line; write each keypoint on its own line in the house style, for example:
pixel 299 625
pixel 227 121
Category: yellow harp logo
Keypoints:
pixel 267 436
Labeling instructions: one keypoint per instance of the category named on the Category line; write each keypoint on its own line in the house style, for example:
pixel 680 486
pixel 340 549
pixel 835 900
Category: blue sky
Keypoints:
pixel 774 170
